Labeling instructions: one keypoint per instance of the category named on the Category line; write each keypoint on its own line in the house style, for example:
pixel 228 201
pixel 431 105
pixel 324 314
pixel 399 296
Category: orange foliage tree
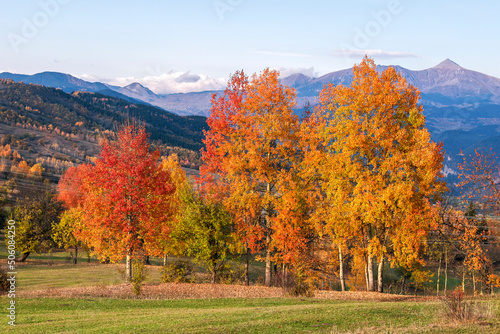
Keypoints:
pixel 379 169
pixel 125 198
pixel 479 175
pixel 252 151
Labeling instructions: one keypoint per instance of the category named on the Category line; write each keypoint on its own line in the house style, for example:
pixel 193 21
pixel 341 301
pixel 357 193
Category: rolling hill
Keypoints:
pixel 48 126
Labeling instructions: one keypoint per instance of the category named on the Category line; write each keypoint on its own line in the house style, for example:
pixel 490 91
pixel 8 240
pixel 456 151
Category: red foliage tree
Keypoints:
pixel 125 198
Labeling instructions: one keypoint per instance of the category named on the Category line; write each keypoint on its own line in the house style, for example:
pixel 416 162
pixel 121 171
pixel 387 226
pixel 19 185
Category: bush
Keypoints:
pixel 178 271
pixel 462 308
pixel 229 274
pixel 139 275
pixel 298 282
pixel 4 284
pixel 458 306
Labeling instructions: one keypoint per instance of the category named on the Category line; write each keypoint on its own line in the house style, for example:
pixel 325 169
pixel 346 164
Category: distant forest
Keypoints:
pixel 42 125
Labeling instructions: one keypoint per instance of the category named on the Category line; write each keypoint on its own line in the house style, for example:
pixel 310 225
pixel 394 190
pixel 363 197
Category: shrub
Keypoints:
pixel 229 274
pixel 419 279
pixel 178 271
pixel 139 275
pixel 298 282
pixel 458 306
pixel 462 308
pixel 4 284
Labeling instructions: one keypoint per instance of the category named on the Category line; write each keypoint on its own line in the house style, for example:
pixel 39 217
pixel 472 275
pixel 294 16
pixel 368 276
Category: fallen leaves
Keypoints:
pixel 200 291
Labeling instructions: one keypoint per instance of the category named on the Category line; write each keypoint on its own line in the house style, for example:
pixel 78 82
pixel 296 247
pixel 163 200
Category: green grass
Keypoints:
pixel 62 276
pixel 279 315
pixel 94 315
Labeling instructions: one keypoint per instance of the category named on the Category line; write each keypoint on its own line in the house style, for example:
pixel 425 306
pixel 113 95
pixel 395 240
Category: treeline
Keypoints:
pixel 341 195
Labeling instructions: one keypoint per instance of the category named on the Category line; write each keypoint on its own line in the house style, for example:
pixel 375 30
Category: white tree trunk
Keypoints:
pixel 341 269
pixel 128 268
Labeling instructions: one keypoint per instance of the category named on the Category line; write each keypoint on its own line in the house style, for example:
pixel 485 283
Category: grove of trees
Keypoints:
pixel 354 185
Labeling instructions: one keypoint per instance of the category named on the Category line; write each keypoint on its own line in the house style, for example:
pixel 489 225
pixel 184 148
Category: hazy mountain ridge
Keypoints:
pixel 444 85
pixel 462 106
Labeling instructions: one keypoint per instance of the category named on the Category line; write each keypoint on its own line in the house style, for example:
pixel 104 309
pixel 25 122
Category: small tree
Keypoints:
pixel 206 231
pixel 182 189
pixel 139 275
pixel 35 215
pixel 62 232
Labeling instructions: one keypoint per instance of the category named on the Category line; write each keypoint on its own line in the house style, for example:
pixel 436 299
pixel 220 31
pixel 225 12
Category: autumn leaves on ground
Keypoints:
pixel 286 210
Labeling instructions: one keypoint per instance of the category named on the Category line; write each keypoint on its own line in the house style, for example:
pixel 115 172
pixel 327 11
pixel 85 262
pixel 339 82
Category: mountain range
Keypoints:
pixel 442 86
pixel 462 106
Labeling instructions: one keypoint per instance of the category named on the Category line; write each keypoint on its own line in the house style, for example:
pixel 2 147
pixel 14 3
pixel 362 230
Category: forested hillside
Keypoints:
pixel 41 125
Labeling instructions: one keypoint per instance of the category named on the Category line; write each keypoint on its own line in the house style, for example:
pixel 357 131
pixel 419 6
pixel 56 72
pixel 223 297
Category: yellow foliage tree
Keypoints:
pixel 379 170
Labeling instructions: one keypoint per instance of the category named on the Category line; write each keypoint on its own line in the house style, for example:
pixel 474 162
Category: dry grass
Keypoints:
pixel 199 291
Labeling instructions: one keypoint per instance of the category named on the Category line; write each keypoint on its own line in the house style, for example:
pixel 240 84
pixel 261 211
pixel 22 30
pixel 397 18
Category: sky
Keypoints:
pixel 195 45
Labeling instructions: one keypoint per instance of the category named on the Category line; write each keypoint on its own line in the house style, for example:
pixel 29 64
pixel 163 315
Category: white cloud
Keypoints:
pixel 174 82
pixel 285 72
pixel 358 53
pixel 91 78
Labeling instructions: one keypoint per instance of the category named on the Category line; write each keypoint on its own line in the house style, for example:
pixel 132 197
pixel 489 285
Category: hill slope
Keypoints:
pixel 50 126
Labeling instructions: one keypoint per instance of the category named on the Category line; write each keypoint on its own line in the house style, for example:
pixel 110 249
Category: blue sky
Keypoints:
pixel 179 46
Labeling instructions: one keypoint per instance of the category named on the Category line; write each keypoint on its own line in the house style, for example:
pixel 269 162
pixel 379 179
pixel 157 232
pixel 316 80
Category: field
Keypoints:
pixel 54 296
pixel 285 315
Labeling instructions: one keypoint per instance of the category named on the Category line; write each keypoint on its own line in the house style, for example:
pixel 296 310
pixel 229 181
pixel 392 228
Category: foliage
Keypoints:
pixel 420 278
pixel 139 275
pixel 252 151
pixel 174 243
pixel 178 272
pixel 125 197
pixel 378 168
pixel 35 215
pixel 479 174
pixel 62 232
pixel 303 283
pixel 205 230
pixel 231 274
pixel 471 237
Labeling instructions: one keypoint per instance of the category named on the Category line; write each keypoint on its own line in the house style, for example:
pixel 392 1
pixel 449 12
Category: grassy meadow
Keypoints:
pixel 55 296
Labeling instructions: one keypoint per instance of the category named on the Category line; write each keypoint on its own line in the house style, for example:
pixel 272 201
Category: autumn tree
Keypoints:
pixel 125 197
pixel 251 151
pixel 34 215
pixel 62 232
pixel 206 231
pixel 70 189
pixel 379 169
pixel 479 181
pixel 183 190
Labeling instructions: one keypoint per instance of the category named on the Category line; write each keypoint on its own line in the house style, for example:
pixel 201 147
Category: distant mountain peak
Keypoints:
pixel 134 85
pixel 447 64
pixel 138 89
